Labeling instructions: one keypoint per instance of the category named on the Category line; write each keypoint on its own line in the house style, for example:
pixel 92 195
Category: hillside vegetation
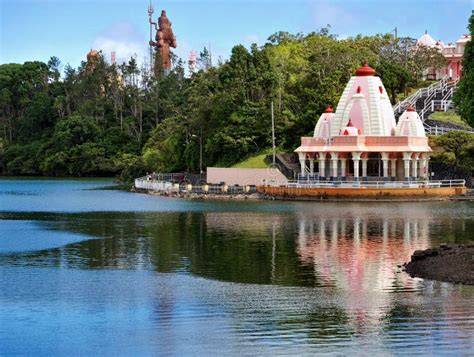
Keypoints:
pixel 449 117
pixel 102 119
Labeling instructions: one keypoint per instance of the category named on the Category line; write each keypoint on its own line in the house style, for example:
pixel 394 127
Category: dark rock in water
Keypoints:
pixel 418 255
pixel 452 264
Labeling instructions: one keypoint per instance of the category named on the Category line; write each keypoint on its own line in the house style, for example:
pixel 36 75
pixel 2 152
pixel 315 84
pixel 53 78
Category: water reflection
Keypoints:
pixel 359 252
pixel 354 249
pixel 308 279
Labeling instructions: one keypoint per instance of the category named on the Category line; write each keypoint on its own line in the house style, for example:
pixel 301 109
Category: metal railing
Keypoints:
pixel 442 105
pixel 429 92
pixel 168 177
pixel 441 130
pixel 375 184
pixel 157 185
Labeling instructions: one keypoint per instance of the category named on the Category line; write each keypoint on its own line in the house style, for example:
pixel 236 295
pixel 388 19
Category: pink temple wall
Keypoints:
pixel 356 111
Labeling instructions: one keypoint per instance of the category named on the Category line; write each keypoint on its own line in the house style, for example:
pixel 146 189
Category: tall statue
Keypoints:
pixel 164 37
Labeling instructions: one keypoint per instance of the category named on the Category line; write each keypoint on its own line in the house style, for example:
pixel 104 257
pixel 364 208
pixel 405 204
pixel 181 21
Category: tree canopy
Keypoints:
pixel 107 119
pixel 464 96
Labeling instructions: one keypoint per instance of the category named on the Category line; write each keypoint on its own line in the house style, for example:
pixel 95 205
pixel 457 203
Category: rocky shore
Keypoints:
pixel 450 263
pixel 201 196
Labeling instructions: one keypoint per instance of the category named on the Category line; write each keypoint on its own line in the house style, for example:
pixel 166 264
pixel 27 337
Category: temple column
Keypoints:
pixel 406 165
pixel 385 164
pixel 343 168
pixel 311 166
pixel 322 164
pixel 414 167
pixel 356 159
pixel 364 168
pixel 302 157
pixel 424 166
pixel 393 169
pixel 334 160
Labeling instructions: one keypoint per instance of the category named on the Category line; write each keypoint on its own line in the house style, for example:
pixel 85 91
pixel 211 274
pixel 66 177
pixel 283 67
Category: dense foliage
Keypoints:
pixel 464 96
pixel 455 148
pixel 102 119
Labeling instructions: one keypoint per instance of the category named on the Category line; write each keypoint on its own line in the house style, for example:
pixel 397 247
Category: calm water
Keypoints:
pixel 89 270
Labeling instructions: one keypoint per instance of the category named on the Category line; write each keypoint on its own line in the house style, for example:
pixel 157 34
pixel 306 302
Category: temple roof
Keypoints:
pixel 464 38
pixel 366 103
pixel 426 40
pixel 364 121
pixel 409 124
pixel 365 70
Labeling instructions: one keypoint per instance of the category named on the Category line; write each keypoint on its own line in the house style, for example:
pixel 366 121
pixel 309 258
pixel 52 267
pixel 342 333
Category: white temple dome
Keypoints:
pixel 410 124
pixel 426 40
pixel 350 129
pixel 366 103
pixel 323 126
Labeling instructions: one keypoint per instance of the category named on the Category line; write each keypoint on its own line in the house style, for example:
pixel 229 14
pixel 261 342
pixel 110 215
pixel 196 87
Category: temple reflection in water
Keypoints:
pixel 345 246
pixel 359 252
pixel 355 251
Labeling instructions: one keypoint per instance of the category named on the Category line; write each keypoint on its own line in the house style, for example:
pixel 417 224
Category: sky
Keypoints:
pixel 38 29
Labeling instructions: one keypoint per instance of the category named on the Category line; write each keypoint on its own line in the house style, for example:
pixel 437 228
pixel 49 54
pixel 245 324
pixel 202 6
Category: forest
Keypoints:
pixel 103 119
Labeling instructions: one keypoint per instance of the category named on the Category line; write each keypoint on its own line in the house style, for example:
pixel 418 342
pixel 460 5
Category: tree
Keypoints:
pixel 464 95
pixel 205 60
pixel 457 143
pixel 406 53
pixel 394 77
pixel 54 65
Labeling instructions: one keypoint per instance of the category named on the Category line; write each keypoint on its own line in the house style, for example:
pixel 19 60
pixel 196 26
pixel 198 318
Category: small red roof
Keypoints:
pixel 328 109
pixel 365 70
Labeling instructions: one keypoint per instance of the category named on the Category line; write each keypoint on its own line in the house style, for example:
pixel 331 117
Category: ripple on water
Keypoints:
pixel 160 276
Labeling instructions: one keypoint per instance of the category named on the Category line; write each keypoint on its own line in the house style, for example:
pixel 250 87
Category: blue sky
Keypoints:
pixel 38 29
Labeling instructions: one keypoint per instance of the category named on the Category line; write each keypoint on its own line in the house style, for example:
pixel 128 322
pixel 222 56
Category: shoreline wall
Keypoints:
pixel 350 192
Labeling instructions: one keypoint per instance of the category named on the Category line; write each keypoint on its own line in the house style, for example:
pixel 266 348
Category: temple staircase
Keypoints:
pixel 426 101
pixel 437 96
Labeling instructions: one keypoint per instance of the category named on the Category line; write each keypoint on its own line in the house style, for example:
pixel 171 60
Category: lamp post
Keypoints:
pixel 273 136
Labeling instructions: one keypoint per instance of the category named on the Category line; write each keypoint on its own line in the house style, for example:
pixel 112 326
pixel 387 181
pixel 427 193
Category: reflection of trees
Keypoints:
pixel 193 242
pixel 357 250
pixel 331 322
pixel 397 316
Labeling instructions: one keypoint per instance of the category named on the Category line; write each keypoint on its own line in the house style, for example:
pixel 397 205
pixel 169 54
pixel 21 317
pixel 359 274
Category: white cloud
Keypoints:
pixel 329 12
pixel 124 40
pixel 252 38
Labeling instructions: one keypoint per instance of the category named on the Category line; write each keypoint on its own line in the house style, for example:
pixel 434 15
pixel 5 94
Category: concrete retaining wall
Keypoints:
pixel 243 177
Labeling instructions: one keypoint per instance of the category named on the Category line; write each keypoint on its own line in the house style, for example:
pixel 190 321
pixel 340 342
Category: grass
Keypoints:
pixel 449 117
pixel 254 162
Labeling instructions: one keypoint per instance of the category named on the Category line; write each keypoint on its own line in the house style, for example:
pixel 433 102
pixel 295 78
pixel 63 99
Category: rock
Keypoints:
pixel 453 264
pixel 418 255
pixel 431 252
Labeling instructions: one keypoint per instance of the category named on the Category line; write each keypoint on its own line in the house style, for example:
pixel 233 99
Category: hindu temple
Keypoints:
pixel 362 140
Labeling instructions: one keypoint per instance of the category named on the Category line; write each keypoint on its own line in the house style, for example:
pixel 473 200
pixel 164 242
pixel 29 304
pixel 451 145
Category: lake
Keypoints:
pixel 86 269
